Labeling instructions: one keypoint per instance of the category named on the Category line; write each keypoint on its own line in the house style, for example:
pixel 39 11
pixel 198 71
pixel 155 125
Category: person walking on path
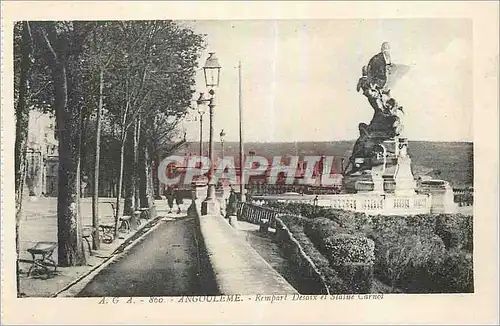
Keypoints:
pixel 178 200
pixel 231 205
pixel 170 198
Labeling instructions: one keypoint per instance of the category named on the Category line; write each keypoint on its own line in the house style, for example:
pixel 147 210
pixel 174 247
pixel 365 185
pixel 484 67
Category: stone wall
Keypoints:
pixel 228 264
pixel 311 278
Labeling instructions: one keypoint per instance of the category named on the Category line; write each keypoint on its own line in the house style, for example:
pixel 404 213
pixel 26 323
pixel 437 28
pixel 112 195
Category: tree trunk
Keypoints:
pixel 22 120
pixel 96 243
pixel 129 175
pixel 156 180
pixel 68 121
pixel 141 169
pixel 119 192
pixel 136 162
pixel 149 185
pixel 70 245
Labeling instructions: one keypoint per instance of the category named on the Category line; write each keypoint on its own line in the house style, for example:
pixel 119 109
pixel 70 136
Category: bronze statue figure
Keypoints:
pixel 375 82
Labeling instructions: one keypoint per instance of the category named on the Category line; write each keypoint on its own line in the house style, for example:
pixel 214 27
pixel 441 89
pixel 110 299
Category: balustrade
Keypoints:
pixel 366 203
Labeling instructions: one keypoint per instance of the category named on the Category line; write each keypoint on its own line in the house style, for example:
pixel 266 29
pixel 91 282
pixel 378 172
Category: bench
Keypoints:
pixel 86 235
pixel 108 230
pixel 107 212
pixel 125 223
pixel 144 213
pixel 42 257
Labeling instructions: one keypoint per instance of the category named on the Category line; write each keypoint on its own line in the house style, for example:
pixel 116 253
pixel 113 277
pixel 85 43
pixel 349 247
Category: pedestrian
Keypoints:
pixel 231 206
pixel 178 200
pixel 170 198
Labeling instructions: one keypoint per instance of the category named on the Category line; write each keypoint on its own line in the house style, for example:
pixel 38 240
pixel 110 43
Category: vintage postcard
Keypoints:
pixel 249 162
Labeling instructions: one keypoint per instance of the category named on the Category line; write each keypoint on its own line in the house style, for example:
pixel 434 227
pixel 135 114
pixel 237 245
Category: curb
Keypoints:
pixel 73 288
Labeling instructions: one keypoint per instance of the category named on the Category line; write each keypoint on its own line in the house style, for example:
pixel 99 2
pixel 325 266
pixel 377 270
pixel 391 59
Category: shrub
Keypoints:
pixel 417 254
pixel 455 230
pixel 469 247
pixel 357 277
pixel 333 281
pixel 404 258
pixel 319 229
pixel 454 273
pixel 292 220
pixel 394 222
pixel 379 287
pixel 347 219
pixel 344 249
pixel 423 223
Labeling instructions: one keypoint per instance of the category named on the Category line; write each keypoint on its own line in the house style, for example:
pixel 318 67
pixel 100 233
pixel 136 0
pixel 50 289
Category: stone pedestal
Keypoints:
pixel 442 196
pixel 363 186
pixel 377 179
pixel 405 184
pixel 390 172
pixel 374 185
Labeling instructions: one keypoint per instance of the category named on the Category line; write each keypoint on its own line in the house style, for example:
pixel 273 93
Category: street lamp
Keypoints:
pixel 222 135
pixel 212 73
pixel 201 111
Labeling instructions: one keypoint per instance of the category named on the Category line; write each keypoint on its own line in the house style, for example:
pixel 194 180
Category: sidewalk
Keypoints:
pixel 39 223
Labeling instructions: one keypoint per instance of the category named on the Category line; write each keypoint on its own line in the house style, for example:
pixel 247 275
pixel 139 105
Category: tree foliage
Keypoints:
pixel 147 70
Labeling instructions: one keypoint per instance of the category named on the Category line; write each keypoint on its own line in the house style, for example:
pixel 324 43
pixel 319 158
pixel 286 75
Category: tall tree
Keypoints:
pixel 158 69
pixel 104 51
pixel 64 41
pixel 22 119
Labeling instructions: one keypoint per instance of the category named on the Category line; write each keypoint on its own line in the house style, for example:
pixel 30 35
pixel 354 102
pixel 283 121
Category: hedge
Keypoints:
pixel 418 254
pixel 357 277
pixel 455 230
pixel 343 249
pixel 321 228
pixel 334 282
pixel 346 219
pixel 454 273
pixel 403 257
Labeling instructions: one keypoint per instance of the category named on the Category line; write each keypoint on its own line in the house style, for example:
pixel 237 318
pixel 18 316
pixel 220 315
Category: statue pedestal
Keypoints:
pixel 363 186
pixel 390 172
pixel 375 185
pixel 404 183
pixel 442 196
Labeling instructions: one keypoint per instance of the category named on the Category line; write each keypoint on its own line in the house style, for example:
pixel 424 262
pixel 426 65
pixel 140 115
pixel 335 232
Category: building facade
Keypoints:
pixel 41 156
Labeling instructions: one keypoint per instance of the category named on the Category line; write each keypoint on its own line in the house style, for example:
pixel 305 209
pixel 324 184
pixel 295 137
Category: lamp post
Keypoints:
pixel 222 135
pixel 212 72
pixel 201 111
pixel 242 149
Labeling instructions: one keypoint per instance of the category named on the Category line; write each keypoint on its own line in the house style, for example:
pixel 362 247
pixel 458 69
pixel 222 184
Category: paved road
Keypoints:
pixel 164 263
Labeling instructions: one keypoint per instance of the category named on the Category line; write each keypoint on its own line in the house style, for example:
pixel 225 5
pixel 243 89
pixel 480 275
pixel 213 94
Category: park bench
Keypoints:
pixel 144 213
pixel 42 253
pixel 107 213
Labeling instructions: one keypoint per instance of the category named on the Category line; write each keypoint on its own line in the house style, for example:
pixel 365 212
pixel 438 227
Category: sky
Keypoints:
pixel 299 77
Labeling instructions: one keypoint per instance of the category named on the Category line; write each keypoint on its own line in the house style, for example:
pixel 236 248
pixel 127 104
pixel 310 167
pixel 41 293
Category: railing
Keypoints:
pixel 369 204
pixel 271 189
pixel 256 214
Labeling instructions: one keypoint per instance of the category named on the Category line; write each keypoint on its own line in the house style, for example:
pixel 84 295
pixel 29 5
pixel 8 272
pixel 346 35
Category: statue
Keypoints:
pixel 362 148
pixel 378 66
pixel 376 79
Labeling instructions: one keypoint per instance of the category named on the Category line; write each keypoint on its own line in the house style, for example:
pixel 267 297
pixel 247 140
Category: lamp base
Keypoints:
pixel 210 207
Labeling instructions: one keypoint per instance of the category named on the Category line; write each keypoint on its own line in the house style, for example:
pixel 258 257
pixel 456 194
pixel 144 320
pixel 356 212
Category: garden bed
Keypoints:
pixel 357 253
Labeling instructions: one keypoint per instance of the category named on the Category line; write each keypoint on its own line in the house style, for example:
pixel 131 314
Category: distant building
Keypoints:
pixel 41 155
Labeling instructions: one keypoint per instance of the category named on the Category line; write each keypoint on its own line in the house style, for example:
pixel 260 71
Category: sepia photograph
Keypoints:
pixel 243 160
